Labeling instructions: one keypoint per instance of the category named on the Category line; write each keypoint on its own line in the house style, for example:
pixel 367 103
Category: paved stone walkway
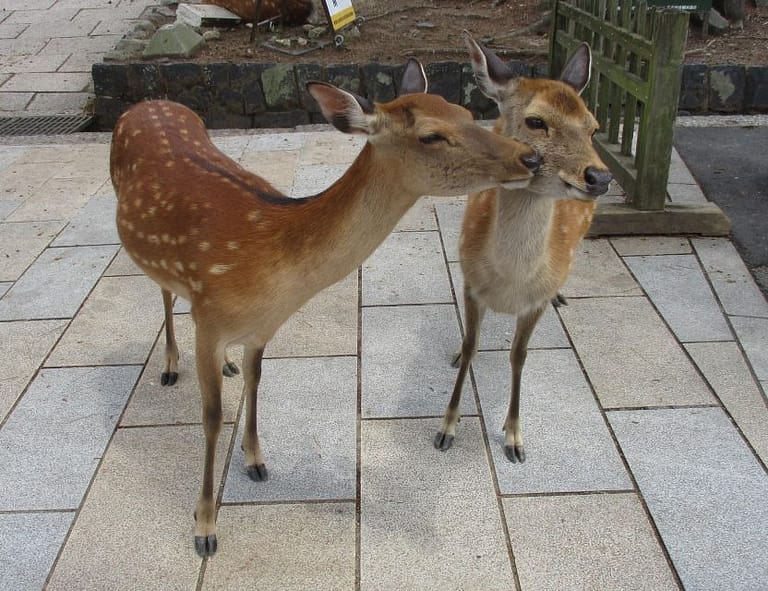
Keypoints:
pixel 644 411
pixel 644 404
pixel 47 48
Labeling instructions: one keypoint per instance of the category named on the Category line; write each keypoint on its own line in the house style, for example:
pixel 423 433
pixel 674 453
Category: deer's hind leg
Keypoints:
pixel 513 436
pixel 254 461
pixel 474 311
pixel 171 370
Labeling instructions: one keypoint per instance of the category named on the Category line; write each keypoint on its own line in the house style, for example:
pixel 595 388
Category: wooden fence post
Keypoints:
pixel 657 120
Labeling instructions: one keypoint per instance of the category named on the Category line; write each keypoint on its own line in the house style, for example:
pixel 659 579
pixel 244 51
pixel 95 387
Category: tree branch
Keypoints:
pixel 534 27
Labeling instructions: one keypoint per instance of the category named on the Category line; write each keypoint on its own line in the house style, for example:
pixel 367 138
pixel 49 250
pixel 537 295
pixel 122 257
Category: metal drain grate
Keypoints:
pixel 44 125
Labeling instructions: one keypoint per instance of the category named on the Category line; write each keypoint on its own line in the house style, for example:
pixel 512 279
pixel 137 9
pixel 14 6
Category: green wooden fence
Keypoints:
pixel 637 67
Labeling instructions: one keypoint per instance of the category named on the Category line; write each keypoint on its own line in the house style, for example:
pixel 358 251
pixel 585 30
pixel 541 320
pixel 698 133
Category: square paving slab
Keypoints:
pixel 705 491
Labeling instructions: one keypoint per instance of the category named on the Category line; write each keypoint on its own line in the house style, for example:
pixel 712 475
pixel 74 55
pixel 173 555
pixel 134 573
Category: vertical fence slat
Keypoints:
pixel 630 109
pixel 617 93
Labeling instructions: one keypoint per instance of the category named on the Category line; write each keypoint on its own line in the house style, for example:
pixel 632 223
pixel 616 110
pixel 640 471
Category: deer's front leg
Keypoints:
pixel 209 362
pixel 171 371
pixel 473 313
pixel 513 435
pixel 254 461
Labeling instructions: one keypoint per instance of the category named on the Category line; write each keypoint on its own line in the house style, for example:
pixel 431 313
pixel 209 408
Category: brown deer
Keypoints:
pixel 517 246
pixel 247 257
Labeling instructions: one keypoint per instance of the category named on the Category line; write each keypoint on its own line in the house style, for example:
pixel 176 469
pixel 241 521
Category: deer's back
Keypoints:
pixel 193 219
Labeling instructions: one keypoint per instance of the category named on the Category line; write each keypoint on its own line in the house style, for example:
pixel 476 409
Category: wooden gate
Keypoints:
pixel 637 68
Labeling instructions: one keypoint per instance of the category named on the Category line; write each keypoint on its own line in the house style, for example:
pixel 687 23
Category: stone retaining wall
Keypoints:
pixel 247 95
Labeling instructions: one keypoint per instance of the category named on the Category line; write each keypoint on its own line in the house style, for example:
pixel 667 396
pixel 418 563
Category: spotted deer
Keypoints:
pixel 247 257
pixel 517 245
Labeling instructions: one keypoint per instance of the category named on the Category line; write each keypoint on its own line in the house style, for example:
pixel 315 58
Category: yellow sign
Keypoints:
pixel 340 13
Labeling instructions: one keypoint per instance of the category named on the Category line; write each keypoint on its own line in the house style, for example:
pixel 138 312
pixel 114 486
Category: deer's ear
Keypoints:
pixel 491 73
pixel 577 70
pixel 345 110
pixel 414 79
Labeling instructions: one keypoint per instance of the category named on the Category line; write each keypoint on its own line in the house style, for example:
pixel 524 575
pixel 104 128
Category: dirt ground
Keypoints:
pixel 430 30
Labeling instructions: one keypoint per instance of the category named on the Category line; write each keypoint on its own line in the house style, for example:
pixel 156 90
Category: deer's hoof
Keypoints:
pixel 168 378
pixel 230 369
pixel 442 441
pixel 257 472
pixel 514 453
pixel 559 300
pixel 205 545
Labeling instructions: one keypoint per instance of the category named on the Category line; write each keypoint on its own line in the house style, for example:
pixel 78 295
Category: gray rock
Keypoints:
pixel 279 84
pixel 316 32
pixel 175 40
pixel 211 34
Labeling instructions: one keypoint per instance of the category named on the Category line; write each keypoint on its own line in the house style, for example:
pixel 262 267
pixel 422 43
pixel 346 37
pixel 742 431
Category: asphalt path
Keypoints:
pixel 731 165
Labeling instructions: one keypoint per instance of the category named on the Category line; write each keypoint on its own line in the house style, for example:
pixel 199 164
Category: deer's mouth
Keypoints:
pixel 520 184
pixel 574 192
pixel 579 190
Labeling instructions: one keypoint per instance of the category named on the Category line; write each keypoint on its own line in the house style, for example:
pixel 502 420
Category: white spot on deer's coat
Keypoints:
pixel 179 265
pixel 220 269
pixel 254 215
pixel 203 246
pixel 232 245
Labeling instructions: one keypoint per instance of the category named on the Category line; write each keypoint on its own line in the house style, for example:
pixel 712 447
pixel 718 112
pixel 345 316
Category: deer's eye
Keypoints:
pixel 535 123
pixel 432 138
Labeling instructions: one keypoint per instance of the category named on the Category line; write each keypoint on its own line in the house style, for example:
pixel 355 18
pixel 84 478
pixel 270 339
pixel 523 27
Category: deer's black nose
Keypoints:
pixel 532 161
pixel 597 180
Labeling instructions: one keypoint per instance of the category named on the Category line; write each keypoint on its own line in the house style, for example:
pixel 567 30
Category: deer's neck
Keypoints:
pixel 345 223
pixel 520 236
